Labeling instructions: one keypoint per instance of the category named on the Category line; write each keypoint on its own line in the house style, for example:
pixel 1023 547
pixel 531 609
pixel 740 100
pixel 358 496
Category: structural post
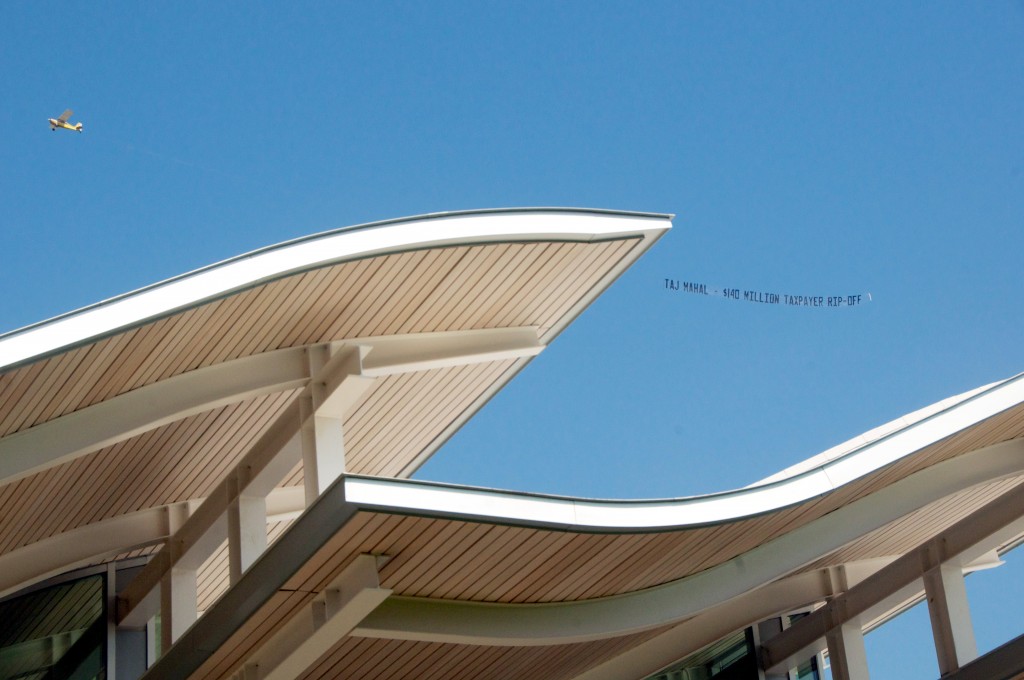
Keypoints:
pixel 950 616
pixel 337 383
pixel 179 593
pixel 247 533
pixel 179 604
pixel 323 450
pixel 846 653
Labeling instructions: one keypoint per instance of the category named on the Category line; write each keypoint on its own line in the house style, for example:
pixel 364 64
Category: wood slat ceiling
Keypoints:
pixel 450 559
pixel 444 289
pixel 370 658
pixel 400 417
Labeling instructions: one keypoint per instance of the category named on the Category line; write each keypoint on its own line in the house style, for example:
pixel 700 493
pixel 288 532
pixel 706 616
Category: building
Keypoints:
pixel 209 478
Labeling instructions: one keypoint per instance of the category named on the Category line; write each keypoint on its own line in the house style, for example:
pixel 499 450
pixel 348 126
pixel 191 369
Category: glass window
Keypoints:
pixel 55 633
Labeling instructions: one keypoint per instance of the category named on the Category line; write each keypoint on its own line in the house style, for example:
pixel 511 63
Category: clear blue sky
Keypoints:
pixel 814 148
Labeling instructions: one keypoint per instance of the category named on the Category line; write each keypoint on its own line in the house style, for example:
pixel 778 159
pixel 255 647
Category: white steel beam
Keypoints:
pixel 179 604
pixel 200 535
pixel 950 616
pixel 247 533
pixel 652 656
pixel 212 522
pixel 338 385
pixel 329 617
pixel 95 542
pixel 94 427
pixel 179 589
pixel 389 355
pixel 953 546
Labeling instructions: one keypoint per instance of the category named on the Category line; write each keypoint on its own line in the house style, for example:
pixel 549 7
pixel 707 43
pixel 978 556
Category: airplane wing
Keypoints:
pixel 64 116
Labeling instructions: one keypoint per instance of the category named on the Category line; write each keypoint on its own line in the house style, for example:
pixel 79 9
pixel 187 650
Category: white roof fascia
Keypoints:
pixel 240 273
pixel 415 497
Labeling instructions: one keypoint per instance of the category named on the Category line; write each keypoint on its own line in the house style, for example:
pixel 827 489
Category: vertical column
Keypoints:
pixel 846 653
pixel 179 597
pixel 247 531
pixel 323 442
pixel 950 616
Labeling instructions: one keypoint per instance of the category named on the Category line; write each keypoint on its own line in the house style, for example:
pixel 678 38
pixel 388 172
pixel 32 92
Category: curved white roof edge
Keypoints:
pixel 434 499
pixel 873 434
pixel 239 273
pixel 573 621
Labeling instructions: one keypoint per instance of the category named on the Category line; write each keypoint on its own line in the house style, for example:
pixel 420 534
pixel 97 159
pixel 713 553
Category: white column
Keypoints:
pixel 179 596
pixel 337 383
pixel 950 616
pixel 846 653
pixel 179 604
pixel 323 450
pixel 247 533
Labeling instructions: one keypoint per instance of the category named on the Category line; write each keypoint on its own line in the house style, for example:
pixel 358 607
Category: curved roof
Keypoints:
pixel 154 395
pixel 115 416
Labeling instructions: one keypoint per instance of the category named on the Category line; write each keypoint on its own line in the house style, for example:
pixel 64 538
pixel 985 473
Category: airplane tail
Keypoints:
pixel 79 127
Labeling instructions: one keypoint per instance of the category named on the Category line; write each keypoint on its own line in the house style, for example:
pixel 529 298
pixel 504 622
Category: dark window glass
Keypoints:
pixel 56 633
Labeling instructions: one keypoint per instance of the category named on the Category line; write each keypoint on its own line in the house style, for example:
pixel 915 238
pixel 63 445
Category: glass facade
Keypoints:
pixel 56 633
pixel 735 658
pixel 731 658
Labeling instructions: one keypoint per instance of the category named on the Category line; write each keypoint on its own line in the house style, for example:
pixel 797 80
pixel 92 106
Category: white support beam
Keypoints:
pixel 204 530
pixel 94 427
pixel 273 453
pixel 960 543
pixel 389 355
pixel 950 616
pixel 333 614
pixel 179 604
pixel 655 654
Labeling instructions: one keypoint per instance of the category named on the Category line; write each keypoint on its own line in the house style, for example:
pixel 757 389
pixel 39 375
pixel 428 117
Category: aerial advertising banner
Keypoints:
pixel 769 298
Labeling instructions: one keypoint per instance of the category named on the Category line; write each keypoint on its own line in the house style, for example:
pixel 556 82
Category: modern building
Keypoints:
pixel 209 478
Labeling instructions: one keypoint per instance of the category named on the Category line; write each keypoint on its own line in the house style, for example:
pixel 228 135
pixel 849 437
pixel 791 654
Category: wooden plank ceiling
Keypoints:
pixel 400 417
pixel 489 562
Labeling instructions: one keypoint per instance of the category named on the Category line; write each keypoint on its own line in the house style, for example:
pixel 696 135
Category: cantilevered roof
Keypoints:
pixel 480 581
pixel 115 418
pixel 147 399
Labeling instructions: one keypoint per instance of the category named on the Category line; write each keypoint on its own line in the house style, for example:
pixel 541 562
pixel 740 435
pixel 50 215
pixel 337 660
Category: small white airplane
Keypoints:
pixel 62 122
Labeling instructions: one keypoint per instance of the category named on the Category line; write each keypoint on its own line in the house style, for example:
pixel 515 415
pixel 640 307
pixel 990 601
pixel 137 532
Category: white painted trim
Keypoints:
pixel 595 515
pixel 240 273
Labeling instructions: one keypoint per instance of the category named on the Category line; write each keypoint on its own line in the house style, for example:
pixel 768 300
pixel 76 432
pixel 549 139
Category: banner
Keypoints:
pixel 767 298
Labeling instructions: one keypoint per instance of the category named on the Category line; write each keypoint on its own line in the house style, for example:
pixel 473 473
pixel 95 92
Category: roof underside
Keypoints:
pixel 388 431
pixel 66 468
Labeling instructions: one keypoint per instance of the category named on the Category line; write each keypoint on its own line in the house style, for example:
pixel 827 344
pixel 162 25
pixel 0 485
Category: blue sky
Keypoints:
pixel 816 148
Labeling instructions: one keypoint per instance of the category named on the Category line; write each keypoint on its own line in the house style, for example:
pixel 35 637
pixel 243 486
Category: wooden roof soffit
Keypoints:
pixel 310 429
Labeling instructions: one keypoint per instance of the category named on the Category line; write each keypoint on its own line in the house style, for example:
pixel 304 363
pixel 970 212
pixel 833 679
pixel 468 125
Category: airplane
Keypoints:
pixel 62 122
